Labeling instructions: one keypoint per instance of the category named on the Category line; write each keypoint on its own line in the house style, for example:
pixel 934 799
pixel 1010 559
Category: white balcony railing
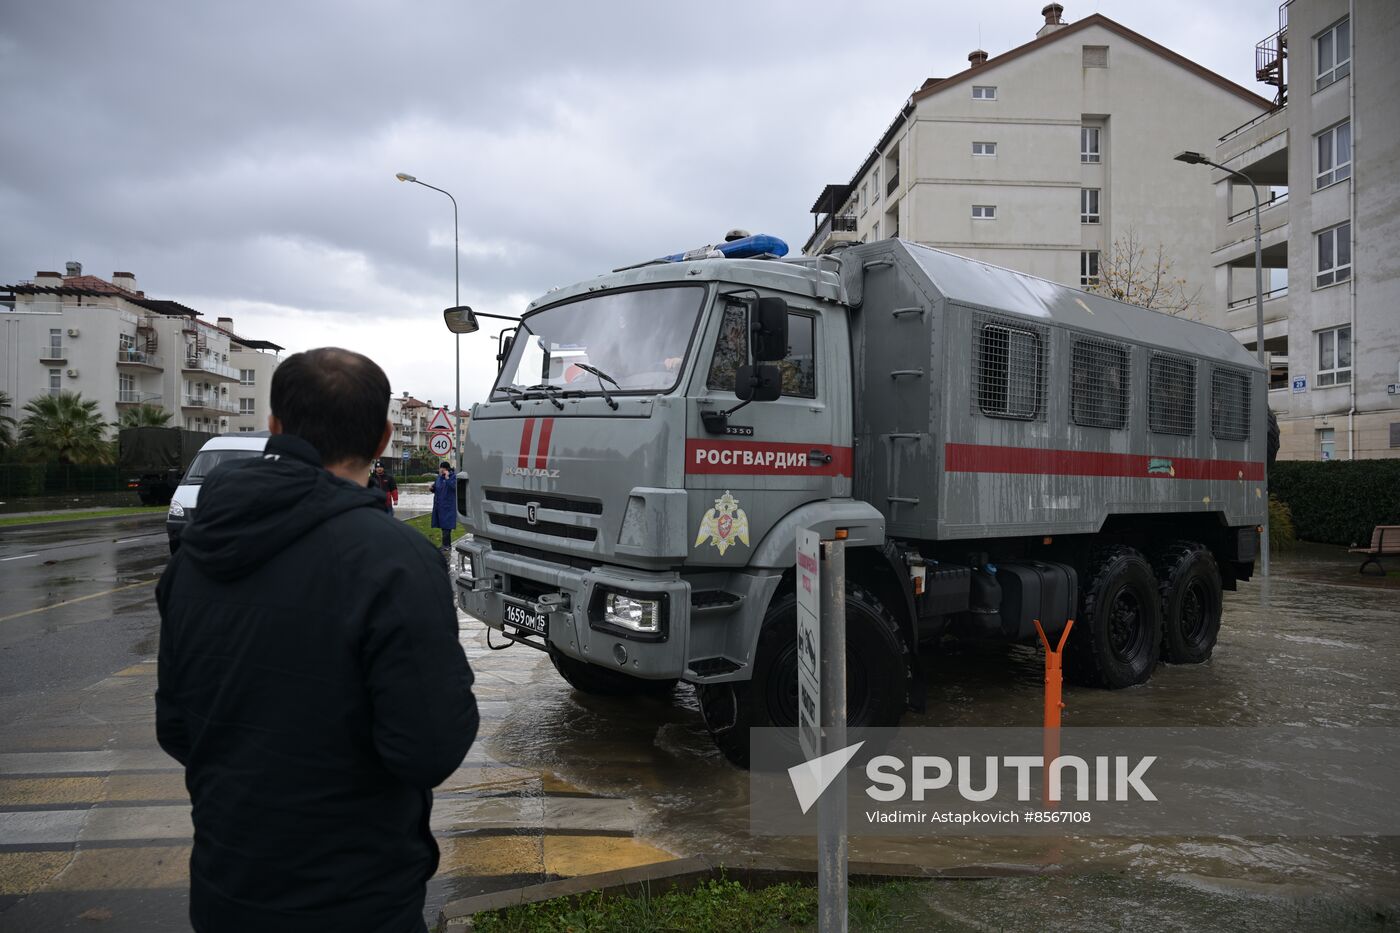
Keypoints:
pixel 53 351
pixel 208 365
pixel 135 357
pixel 210 403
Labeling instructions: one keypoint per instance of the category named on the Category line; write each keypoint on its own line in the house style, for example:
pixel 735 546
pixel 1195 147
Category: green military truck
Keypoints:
pixel 152 460
pixel 995 448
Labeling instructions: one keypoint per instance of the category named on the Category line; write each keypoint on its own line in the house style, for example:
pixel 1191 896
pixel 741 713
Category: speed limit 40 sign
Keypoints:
pixel 440 444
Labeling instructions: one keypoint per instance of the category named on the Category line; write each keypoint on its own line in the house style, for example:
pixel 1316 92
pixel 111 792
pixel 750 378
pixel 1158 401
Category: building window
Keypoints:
pixel 1333 57
pixel 861 199
pixel 1089 144
pixel 1088 205
pixel 875 232
pixel 984 92
pixel 1095 56
pixel 1088 268
pixel 245 377
pixel 1334 155
pixel 984 149
pixel 1334 357
pixel 1171 395
pixel 1327 443
pixel 55 381
pixel 875 185
pixel 1334 255
pixel 245 430
pixel 984 212
pixel 245 406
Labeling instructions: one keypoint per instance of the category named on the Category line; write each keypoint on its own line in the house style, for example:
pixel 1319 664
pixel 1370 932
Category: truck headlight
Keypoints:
pixel 639 615
pixel 176 510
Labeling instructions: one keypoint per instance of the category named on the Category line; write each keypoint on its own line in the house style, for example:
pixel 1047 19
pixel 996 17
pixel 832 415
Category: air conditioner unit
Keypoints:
pixel 72 374
pixel 72 332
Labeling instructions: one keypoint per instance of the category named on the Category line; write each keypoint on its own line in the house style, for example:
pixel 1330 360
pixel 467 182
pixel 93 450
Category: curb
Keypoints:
pixel 62 522
pixel 684 874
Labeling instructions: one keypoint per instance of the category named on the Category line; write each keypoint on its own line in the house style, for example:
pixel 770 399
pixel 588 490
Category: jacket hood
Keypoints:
pixel 252 510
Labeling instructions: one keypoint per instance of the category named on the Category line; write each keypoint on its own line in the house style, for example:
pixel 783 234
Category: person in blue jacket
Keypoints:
pixel 445 502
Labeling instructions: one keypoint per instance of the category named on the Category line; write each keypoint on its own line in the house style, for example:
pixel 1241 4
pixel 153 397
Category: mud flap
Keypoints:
pixel 918 684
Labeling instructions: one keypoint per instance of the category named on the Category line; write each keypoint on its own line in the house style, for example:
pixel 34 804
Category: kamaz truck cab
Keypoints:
pixel 657 437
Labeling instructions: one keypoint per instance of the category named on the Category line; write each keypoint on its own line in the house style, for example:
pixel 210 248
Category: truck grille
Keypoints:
pixel 558 503
pixel 558 529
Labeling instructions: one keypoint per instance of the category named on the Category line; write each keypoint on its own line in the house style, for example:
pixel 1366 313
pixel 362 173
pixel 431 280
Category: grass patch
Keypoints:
pixel 713 906
pixel 422 523
pixel 80 514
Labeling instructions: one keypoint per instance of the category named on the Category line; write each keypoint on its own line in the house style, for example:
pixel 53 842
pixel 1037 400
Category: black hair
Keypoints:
pixel 336 400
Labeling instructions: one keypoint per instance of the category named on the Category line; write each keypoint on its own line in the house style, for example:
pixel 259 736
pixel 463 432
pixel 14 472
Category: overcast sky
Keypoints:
pixel 240 157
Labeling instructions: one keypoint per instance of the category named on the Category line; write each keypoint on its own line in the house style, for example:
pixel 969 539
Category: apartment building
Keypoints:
pixel 1041 158
pixel 1326 162
pixel 109 341
pixel 255 361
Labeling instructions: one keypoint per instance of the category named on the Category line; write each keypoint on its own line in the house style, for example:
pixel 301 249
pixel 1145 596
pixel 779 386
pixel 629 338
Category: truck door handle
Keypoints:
pixel 818 456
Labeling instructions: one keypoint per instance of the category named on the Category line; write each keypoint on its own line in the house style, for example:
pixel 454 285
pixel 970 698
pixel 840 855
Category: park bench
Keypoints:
pixel 1385 539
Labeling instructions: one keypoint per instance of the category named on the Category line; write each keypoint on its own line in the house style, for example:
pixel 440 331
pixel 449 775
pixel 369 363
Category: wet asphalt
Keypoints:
pixel 94 830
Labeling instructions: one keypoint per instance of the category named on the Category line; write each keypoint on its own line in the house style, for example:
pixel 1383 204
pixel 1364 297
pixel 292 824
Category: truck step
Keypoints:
pixel 714 601
pixel 713 667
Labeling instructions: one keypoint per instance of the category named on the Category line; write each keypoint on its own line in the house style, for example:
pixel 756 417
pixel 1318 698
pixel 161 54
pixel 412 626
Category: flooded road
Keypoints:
pixel 1311 647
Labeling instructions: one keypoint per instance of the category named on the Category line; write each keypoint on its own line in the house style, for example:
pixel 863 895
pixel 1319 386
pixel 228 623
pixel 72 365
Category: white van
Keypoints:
pixel 221 449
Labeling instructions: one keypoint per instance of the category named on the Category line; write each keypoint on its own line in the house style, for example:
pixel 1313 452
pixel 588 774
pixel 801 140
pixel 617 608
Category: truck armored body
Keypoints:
pixel 994 448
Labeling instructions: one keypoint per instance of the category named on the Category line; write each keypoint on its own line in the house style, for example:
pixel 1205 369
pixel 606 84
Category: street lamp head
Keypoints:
pixel 1190 158
pixel 404 176
pixel 460 320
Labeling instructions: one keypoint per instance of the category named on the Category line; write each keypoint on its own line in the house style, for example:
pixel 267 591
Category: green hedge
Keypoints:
pixel 38 479
pixel 1338 501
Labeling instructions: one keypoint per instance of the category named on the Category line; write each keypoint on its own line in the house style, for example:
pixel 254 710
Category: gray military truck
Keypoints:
pixel 153 459
pixel 994 448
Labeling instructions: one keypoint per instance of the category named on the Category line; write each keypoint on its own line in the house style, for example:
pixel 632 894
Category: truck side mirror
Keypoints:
pixel 770 333
pixel 460 320
pixel 504 340
pixel 758 383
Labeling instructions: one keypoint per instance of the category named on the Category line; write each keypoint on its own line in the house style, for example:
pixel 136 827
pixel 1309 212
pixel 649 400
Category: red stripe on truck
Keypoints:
pixel 542 453
pixel 979 458
pixel 748 458
pixel 527 433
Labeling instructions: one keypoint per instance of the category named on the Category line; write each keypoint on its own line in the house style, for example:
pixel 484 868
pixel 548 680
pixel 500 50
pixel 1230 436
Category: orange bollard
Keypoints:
pixel 1054 681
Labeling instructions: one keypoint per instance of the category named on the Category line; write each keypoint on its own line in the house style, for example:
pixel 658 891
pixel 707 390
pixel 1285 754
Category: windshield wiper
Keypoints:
pixel 550 392
pixel 607 396
pixel 511 398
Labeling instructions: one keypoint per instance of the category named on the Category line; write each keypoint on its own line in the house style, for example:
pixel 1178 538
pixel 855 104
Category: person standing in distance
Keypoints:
pixel 445 503
pixel 386 484
pixel 310 678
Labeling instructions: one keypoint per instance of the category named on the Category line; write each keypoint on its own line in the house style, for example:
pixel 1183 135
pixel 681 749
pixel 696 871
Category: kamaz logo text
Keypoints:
pixel 532 471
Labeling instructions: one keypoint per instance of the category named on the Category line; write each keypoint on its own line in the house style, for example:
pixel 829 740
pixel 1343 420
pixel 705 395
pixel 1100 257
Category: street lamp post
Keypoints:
pixel 1195 158
pixel 457 300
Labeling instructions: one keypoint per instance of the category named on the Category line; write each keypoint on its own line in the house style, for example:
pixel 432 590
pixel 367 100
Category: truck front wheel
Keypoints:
pixel 1117 639
pixel 877 676
pixel 600 681
pixel 1191 602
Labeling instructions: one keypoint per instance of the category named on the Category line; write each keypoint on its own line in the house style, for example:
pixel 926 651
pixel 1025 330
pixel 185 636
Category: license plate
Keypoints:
pixel 523 618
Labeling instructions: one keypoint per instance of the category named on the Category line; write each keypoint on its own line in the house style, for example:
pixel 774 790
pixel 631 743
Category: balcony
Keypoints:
pixel 130 356
pixel 209 403
pixel 205 364
pixel 834 230
pixel 893 184
pixel 53 353
pixel 135 397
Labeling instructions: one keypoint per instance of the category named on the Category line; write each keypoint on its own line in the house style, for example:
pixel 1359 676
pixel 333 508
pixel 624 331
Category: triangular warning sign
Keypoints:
pixel 440 421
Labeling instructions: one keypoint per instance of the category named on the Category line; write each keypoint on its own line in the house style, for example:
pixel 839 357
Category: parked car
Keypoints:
pixel 219 450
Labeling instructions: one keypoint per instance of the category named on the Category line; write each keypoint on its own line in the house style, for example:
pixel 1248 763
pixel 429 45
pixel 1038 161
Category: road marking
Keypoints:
pixel 79 599
pixel 20 557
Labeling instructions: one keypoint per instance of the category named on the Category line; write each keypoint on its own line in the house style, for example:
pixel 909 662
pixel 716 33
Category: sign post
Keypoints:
pixel 821 702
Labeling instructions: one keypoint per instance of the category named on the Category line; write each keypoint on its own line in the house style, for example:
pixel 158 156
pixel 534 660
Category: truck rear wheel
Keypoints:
pixel 1191 602
pixel 877 676
pixel 1117 639
pixel 600 681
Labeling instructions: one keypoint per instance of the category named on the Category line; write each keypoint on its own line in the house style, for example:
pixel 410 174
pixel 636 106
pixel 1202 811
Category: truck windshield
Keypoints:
pixel 638 338
pixel 204 464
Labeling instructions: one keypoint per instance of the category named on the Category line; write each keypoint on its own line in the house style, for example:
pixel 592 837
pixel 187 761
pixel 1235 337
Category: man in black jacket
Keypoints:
pixel 310 679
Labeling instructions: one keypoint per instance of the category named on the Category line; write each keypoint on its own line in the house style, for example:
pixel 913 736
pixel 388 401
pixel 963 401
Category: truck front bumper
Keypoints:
pixel 694 644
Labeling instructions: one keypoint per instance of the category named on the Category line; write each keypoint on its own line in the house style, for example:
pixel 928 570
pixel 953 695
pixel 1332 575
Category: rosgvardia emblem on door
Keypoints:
pixel 724 525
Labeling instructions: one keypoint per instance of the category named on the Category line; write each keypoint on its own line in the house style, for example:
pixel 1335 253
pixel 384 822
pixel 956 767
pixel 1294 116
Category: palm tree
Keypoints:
pixel 144 416
pixel 64 429
pixel 7 422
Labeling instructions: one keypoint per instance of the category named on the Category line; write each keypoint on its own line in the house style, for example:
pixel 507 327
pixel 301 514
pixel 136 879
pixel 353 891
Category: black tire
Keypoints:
pixel 877 676
pixel 600 681
pixel 1117 639
pixel 1192 602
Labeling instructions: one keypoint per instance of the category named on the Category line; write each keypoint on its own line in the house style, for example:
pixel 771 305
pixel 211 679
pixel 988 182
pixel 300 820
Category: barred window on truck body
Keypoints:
pixel 1229 404
pixel 1171 394
pixel 1098 391
pixel 1010 375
